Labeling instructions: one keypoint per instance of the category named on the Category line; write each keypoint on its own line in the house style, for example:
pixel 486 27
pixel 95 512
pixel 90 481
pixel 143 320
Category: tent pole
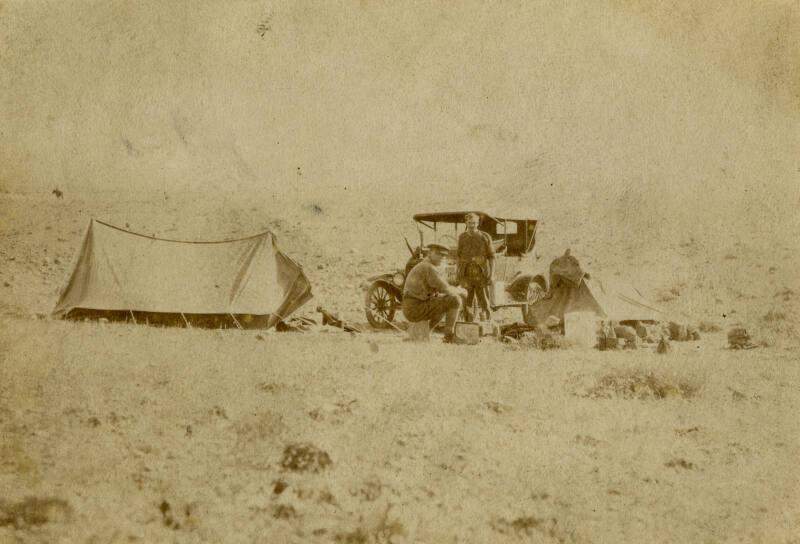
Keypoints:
pixel 526 237
pixel 391 324
pixel 238 325
pixel 186 321
pixel 132 316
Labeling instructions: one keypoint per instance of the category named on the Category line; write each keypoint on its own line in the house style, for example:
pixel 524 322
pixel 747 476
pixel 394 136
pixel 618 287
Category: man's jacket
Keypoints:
pixel 474 248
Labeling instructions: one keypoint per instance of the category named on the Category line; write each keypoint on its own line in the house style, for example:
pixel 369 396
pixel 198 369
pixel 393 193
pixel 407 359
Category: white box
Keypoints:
pixel 469 333
pixel 497 293
pixel 581 328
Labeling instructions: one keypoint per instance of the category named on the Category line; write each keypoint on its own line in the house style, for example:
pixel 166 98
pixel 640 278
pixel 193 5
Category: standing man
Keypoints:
pixel 475 265
pixel 428 297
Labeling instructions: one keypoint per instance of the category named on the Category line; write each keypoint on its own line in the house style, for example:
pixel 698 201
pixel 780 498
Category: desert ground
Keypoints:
pixel 123 433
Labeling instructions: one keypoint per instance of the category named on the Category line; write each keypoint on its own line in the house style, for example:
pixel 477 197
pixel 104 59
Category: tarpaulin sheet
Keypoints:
pixel 609 300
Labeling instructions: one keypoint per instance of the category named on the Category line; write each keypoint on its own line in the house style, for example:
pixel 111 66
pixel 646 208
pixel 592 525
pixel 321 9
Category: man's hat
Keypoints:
pixel 440 247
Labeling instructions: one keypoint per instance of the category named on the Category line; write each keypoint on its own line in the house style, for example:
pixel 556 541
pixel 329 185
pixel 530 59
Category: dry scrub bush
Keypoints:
pixel 670 294
pixel 259 426
pixel 305 458
pixel 541 341
pixel 383 531
pixel 33 511
pixel 708 326
pixel 775 328
pixel 531 526
pixel 643 385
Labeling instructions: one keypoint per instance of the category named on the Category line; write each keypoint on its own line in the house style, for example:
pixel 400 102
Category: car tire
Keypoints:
pixel 380 306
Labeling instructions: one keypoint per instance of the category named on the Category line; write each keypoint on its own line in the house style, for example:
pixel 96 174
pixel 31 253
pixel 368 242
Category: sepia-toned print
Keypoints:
pixel 368 272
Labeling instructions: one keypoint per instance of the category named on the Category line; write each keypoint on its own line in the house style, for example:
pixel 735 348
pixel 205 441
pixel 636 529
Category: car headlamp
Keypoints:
pixel 398 279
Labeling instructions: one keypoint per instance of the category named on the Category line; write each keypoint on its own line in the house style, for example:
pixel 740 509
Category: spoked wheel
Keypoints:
pixel 380 306
pixel 536 292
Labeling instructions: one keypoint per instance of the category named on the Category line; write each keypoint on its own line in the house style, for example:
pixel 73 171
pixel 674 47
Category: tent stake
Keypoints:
pixel 133 317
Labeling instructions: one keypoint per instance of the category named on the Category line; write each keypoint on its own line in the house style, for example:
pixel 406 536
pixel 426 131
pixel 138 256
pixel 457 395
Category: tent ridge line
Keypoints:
pixel 259 235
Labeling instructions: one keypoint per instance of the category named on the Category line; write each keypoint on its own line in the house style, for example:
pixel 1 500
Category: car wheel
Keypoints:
pixel 380 306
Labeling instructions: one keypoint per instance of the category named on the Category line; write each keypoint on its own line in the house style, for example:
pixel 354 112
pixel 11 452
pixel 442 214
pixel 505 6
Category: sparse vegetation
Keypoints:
pixel 304 458
pixel 665 296
pixel 643 385
pixel 708 326
pixel 382 531
pixel 680 463
pixel 258 427
pixel 356 536
pixel 528 526
pixel 776 327
pixel 396 443
pixel 33 511
pixel 284 511
pixel 774 316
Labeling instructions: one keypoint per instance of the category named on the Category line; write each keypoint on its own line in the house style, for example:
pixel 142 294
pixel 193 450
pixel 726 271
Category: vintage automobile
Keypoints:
pixel 516 282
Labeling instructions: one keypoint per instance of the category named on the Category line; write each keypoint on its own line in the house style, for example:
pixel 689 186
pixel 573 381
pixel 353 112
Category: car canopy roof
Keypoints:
pixel 458 217
pixel 449 217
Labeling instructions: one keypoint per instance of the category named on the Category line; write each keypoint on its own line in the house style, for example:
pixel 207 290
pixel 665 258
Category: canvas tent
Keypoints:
pixel 134 274
pixel 573 291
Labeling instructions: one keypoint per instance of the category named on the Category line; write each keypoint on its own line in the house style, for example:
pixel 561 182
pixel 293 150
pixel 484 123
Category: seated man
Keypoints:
pixel 428 297
pixel 475 265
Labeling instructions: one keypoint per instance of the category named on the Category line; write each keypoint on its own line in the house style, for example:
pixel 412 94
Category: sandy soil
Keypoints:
pixel 117 433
